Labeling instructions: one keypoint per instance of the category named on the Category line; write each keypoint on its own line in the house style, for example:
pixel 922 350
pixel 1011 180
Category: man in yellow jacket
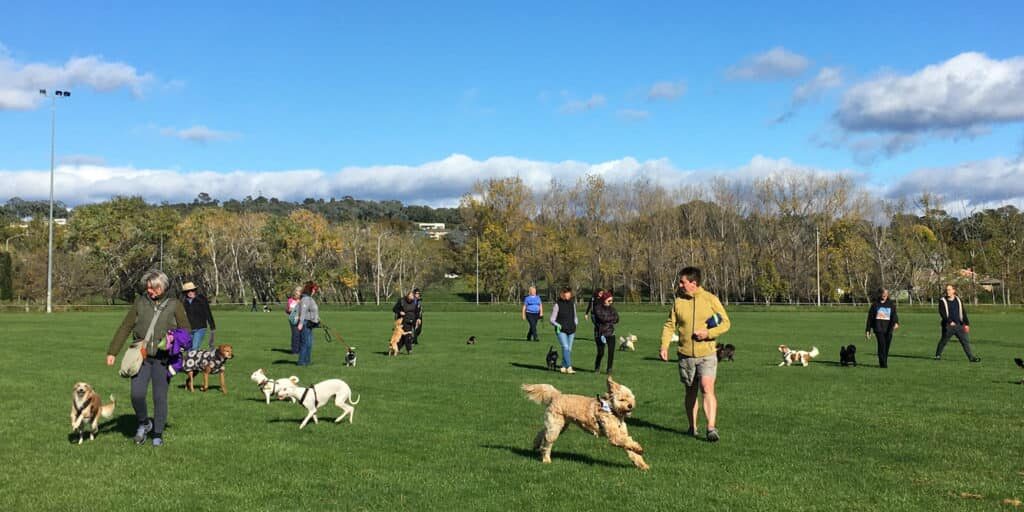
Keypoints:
pixel 697 318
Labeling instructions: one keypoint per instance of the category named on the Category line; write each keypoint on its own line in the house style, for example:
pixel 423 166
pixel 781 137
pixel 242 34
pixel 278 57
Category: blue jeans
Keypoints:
pixel 197 338
pixel 565 340
pixel 306 347
pixel 296 338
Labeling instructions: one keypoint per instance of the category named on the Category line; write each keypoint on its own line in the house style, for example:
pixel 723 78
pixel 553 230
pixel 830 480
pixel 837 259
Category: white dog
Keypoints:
pixel 790 356
pixel 321 392
pixel 270 387
pixel 627 342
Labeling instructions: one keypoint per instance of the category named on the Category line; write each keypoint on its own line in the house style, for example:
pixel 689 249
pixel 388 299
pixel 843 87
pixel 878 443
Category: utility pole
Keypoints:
pixel 477 270
pixel 53 137
pixel 817 264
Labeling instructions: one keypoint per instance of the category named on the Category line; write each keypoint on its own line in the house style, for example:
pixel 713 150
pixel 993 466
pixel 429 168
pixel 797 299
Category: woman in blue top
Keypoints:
pixel 563 317
pixel 533 309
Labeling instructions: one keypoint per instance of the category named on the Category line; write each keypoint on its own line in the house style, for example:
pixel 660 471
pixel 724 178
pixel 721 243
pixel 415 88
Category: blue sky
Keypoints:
pixel 255 96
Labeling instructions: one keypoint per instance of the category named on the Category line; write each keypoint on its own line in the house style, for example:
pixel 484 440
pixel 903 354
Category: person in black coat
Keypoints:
pixel 199 315
pixel 605 317
pixel 882 320
pixel 408 309
pixel 954 323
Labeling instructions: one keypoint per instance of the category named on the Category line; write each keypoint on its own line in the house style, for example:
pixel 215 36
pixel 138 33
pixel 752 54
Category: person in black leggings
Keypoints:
pixel 882 320
pixel 605 317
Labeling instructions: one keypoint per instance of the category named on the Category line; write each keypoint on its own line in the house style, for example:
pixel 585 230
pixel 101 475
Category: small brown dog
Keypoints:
pixel 604 415
pixel 207 362
pixel 396 337
pixel 87 409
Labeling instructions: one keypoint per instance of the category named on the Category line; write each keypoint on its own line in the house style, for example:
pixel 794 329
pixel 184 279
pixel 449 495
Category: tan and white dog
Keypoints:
pixel 87 409
pixel 790 356
pixel 269 387
pixel 313 397
pixel 627 343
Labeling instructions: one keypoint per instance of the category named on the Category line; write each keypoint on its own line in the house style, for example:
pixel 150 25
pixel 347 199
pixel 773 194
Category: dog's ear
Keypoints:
pixel 612 385
pixel 294 379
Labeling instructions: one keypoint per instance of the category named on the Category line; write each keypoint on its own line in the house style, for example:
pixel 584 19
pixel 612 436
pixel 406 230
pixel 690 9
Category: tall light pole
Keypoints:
pixel 817 265
pixel 53 137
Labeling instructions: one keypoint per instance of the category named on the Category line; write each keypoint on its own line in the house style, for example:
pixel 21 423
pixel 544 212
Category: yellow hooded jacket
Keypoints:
pixel 685 308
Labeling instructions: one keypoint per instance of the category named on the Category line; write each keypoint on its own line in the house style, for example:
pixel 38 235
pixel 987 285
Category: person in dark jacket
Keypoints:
pixel 882 320
pixel 419 312
pixel 199 315
pixel 564 320
pixel 954 323
pixel 154 312
pixel 605 317
pixel 408 309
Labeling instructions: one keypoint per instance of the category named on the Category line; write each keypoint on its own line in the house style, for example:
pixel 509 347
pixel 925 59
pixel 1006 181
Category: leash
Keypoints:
pixel 330 335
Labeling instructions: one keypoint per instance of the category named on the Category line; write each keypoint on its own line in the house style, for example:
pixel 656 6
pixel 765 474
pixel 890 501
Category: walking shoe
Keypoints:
pixel 570 371
pixel 975 359
pixel 712 435
pixel 140 433
pixel 562 369
pixel 690 432
pixel 158 441
pixel 938 358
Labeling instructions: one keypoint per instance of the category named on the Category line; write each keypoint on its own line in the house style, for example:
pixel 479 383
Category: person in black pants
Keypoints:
pixel 533 309
pixel 882 320
pixel 419 317
pixel 954 323
pixel 605 317
pixel 408 309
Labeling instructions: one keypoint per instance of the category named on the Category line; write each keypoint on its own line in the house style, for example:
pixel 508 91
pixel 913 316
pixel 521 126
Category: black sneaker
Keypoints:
pixel 975 359
pixel 713 435
pixel 690 432
pixel 140 433
pixel 938 358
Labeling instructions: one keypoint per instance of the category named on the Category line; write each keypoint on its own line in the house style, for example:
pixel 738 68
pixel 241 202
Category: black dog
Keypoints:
pixel 1020 362
pixel 471 340
pixel 727 351
pixel 552 358
pixel 848 355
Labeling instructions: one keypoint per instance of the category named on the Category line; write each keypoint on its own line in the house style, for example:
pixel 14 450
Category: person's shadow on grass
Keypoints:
pixel 285 361
pixel 531 366
pixel 572 457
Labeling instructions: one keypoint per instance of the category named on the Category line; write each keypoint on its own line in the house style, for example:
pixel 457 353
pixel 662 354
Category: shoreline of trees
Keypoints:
pixel 762 240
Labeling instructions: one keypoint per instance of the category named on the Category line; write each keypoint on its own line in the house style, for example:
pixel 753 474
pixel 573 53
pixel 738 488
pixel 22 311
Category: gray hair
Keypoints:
pixel 155 277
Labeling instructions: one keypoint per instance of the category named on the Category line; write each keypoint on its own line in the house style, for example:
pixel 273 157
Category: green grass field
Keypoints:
pixel 449 427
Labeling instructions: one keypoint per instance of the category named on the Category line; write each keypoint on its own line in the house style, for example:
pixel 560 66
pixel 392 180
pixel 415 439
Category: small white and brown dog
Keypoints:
pixel 627 343
pixel 87 409
pixel 269 387
pixel 790 356
pixel 313 397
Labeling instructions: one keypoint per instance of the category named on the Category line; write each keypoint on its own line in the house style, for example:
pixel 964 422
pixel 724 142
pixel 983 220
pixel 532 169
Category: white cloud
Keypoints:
pixel 629 114
pixel 579 106
pixel 964 92
pixel 20 83
pixel 827 78
pixel 78 160
pixel 666 90
pixel 437 183
pixel 774 64
pixel 979 184
pixel 199 133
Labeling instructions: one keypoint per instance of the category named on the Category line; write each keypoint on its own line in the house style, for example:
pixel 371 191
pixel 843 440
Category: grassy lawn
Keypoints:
pixel 448 426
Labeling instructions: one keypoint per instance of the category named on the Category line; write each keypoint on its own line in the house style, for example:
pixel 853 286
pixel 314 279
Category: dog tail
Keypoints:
pixel 1019 361
pixel 107 410
pixel 813 352
pixel 541 393
pixel 354 402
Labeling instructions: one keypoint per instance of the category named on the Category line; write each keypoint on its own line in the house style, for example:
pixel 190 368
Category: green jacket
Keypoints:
pixel 681 321
pixel 136 322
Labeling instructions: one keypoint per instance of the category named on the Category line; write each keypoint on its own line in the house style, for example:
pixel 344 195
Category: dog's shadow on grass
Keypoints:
pixel 285 361
pixel 531 366
pixel 572 457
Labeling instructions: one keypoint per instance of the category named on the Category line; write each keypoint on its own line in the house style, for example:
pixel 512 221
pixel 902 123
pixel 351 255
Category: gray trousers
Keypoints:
pixel 961 335
pixel 155 371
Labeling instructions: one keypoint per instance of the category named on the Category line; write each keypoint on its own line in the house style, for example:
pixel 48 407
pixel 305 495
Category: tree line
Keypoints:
pixel 789 237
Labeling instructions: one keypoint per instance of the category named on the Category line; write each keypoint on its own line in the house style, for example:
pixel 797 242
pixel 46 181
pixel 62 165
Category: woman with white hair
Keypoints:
pixel 153 314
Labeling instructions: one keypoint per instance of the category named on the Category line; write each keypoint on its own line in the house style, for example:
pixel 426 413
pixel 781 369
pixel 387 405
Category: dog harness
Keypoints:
pixel 80 410
pixel 304 393
pixel 273 385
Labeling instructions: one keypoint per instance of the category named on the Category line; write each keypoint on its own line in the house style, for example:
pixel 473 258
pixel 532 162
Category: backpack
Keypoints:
pixel 293 317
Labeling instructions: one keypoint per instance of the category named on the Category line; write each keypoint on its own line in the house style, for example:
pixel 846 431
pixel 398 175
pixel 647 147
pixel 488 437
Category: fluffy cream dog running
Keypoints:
pixel 87 409
pixel 314 397
pixel 604 415
pixel 269 387
pixel 790 356
pixel 628 342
